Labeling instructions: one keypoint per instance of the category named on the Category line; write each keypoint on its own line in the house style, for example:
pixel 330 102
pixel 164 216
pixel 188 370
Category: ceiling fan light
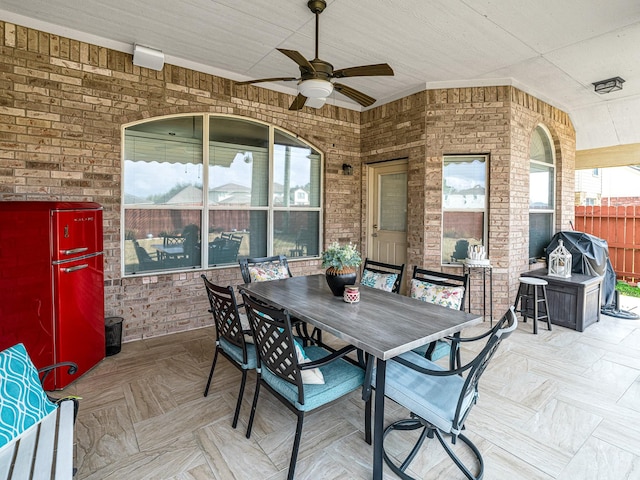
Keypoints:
pixel 315 102
pixel 315 88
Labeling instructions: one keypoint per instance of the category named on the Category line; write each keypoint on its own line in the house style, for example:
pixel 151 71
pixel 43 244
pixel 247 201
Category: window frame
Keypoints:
pixel 553 168
pixel 484 210
pixel 205 208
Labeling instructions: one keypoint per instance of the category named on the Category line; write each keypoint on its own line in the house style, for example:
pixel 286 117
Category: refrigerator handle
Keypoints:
pixel 74 269
pixel 73 251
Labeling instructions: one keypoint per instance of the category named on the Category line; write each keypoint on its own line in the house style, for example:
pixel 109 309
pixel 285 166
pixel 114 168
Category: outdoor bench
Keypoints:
pixel 36 433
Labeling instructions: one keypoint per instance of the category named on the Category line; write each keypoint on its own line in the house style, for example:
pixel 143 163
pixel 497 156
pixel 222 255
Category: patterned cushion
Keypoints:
pixel 23 402
pixel 266 272
pixel 439 294
pixel 313 376
pixel 381 281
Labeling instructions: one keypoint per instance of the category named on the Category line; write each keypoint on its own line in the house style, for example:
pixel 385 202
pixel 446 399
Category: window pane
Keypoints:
pixel 230 235
pixel 541 146
pixel 540 233
pixel 464 183
pixel 246 227
pixel 460 229
pixel 393 207
pixel 296 234
pixel 296 170
pixel 464 198
pixel 163 162
pixel 541 187
pixel 158 240
pixel 238 162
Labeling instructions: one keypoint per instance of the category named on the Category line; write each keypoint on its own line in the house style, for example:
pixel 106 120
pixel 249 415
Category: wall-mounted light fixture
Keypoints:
pixel 347 169
pixel 148 57
pixel 609 85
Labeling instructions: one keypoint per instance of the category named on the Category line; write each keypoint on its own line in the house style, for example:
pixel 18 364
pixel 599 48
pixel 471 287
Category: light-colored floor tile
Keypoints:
pixel 558 405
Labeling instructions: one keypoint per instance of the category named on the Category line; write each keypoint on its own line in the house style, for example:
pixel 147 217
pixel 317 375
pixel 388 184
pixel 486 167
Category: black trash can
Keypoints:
pixel 113 335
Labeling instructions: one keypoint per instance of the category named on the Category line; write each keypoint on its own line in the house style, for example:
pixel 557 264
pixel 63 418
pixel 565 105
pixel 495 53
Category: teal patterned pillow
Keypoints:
pixel 381 281
pixel 439 294
pixel 23 402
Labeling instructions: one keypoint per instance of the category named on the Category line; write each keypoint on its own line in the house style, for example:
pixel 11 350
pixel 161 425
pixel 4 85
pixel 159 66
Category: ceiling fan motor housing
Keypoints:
pixel 317 6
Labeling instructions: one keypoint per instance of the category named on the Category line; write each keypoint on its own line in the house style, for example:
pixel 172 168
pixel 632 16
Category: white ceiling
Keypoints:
pixel 553 49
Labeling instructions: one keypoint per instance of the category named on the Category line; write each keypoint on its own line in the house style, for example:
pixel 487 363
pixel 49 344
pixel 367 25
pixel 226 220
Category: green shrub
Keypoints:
pixel 628 290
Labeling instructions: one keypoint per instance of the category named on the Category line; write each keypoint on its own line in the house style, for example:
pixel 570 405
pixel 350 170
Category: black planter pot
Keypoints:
pixel 338 282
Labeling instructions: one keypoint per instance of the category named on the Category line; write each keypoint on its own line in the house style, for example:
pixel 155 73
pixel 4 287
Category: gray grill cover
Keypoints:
pixel 590 256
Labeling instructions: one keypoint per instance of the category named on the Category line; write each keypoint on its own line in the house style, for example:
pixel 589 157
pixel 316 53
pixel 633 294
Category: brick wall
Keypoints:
pixel 498 121
pixel 62 104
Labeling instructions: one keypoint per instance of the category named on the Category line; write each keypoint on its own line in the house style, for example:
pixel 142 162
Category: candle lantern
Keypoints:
pixel 560 261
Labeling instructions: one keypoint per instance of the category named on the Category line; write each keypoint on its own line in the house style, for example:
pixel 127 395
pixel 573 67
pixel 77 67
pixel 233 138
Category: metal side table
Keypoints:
pixel 482 270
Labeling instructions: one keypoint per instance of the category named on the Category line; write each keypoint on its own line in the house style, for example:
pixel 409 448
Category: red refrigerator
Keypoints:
pixel 52 284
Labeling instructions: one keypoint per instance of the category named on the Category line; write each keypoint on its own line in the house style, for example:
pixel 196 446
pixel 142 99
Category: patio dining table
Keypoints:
pixel 382 324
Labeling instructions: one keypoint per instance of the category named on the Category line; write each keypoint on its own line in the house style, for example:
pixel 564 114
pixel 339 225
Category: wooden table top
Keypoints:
pixel 382 324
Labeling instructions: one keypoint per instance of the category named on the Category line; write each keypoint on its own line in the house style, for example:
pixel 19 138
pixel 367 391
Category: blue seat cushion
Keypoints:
pixel 432 398
pixel 442 350
pixel 236 353
pixel 340 378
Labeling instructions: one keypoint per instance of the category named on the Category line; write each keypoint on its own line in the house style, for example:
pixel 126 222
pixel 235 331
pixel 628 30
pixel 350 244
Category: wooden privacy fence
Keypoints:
pixel 620 227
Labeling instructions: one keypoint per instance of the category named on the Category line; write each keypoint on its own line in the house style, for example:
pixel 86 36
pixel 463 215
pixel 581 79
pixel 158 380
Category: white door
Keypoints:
pixel 387 212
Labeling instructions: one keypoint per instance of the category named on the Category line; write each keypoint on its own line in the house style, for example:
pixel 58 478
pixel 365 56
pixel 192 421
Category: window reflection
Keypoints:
pixel 163 162
pixel 464 203
pixel 259 193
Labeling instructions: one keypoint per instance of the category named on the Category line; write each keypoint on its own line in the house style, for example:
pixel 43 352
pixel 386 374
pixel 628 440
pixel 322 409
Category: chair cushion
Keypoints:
pixel 442 350
pixel 340 377
pixel 23 402
pixel 236 353
pixel 450 297
pixel 381 281
pixel 430 397
pixel 264 273
pixel 312 376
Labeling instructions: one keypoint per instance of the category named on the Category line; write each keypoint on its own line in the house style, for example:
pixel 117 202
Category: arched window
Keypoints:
pixel 542 181
pixel 250 190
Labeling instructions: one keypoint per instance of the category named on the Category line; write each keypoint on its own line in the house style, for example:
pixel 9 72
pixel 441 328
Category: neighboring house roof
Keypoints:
pixel 188 194
pixel 231 187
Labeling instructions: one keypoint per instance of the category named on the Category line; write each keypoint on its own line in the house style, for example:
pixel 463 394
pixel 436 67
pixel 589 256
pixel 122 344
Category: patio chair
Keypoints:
pixel 440 400
pixel 262 269
pixel 445 289
pixel 144 259
pixel 233 340
pixel 302 379
pixel 384 276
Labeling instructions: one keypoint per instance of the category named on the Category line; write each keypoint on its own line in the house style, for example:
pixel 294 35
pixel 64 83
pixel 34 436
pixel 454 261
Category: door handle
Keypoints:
pixel 374 234
pixel 75 250
pixel 74 269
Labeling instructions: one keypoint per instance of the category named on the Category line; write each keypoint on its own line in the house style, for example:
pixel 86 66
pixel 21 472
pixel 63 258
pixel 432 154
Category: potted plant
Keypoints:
pixel 341 262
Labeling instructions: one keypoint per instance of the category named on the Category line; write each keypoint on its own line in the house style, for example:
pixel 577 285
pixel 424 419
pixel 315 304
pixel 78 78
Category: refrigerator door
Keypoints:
pixel 76 233
pixel 79 315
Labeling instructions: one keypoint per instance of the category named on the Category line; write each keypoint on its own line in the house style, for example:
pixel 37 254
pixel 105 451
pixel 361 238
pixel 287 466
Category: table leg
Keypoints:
pixel 484 294
pixel 378 419
pixel 491 296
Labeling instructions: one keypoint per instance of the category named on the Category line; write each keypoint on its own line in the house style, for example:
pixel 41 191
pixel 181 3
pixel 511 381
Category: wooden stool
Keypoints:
pixel 533 290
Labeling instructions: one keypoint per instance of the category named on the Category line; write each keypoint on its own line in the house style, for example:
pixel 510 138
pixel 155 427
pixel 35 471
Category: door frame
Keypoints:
pixel 371 197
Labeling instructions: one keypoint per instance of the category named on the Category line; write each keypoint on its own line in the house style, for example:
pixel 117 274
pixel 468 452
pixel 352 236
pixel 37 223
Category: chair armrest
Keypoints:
pixel 44 372
pixel 328 359
pixel 428 371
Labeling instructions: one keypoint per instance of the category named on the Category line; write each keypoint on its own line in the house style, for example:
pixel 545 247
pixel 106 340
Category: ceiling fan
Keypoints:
pixel 314 83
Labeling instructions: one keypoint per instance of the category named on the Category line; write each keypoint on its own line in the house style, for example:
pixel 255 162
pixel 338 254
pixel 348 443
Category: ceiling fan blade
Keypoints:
pixel 261 80
pixel 298 58
pixel 298 102
pixel 362 98
pixel 364 71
